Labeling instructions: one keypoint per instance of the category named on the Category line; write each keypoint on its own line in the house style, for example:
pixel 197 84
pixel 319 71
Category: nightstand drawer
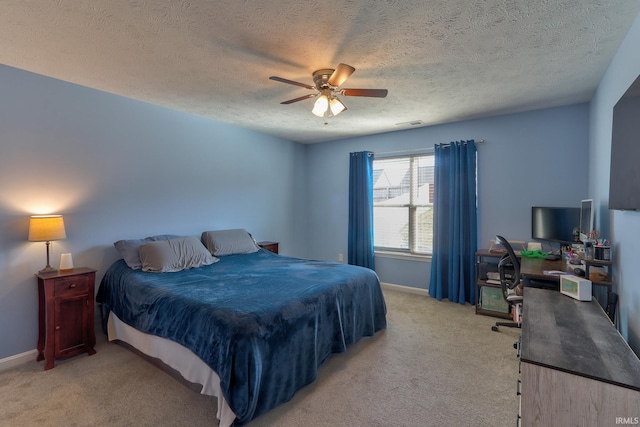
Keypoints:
pixel 71 285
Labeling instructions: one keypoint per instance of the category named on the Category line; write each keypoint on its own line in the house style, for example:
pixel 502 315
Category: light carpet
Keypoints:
pixel 436 364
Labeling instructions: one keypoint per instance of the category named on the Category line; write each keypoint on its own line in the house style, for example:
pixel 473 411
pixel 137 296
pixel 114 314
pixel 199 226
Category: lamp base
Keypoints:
pixel 48 270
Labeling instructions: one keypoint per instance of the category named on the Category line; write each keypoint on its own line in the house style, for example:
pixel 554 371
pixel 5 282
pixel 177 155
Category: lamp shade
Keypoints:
pixel 336 106
pixel 44 228
pixel 320 106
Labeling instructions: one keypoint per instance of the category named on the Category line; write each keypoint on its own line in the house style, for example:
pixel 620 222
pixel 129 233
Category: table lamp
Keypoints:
pixel 45 228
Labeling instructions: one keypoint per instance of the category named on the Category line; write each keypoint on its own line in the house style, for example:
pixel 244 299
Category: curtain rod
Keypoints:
pixel 414 150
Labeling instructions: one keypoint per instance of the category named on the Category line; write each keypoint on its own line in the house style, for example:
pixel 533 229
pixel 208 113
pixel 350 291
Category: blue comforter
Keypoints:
pixel 263 322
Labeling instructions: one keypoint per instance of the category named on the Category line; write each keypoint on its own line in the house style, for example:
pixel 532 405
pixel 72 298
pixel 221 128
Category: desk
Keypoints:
pixel 532 273
pixel 531 268
pixel 576 368
pixel 534 268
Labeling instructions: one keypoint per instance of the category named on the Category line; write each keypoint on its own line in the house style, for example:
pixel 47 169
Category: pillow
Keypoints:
pixel 165 256
pixel 229 242
pixel 130 249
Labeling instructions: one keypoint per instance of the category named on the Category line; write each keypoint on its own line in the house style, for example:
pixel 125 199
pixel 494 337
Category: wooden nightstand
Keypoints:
pixel 65 314
pixel 270 246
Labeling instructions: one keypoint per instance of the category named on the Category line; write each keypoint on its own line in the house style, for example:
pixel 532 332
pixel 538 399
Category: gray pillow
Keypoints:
pixel 229 242
pixel 130 249
pixel 165 256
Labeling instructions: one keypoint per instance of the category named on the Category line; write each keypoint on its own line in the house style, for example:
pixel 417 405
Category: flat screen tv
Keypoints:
pixel 555 224
pixel 624 176
pixel 586 219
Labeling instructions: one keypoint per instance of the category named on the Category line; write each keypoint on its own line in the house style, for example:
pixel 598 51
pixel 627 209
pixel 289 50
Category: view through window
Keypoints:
pixel 403 203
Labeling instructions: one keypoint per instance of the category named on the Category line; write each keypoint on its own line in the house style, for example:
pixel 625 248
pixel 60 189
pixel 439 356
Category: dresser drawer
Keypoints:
pixel 71 285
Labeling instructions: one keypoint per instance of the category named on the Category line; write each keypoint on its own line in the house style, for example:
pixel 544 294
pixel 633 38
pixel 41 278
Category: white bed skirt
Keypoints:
pixel 180 358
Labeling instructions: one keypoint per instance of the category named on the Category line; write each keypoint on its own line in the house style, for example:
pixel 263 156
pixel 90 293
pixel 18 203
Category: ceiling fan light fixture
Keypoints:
pixel 326 86
pixel 320 106
pixel 336 106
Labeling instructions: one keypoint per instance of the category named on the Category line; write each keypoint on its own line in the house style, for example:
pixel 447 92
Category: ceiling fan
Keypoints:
pixel 326 88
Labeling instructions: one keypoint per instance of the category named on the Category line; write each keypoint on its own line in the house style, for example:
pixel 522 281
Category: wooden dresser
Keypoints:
pixel 576 369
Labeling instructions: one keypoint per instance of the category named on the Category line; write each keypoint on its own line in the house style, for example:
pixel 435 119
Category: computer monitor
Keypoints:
pixel 586 219
pixel 555 224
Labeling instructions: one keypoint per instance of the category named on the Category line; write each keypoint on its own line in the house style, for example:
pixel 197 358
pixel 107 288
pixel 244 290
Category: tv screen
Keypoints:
pixel 586 219
pixel 555 224
pixel 624 176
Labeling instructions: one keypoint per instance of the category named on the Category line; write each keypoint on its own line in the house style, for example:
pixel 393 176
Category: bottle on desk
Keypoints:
pixel 588 250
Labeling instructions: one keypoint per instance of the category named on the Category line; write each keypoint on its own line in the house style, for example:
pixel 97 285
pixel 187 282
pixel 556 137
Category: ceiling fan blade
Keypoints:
pixel 376 93
pixel 340 74
pixel 302 98
pixel 291 82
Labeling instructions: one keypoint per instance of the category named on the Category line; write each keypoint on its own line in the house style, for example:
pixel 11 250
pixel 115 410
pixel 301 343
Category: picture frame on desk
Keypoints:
pixel 491 300
pixel 575 287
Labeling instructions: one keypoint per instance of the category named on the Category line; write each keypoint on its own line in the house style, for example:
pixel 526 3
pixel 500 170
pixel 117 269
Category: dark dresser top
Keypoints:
pixel 574 336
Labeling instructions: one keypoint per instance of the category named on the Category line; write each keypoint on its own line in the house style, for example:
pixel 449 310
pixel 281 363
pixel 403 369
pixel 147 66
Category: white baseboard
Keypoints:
pixel 407 289
pixel 18 359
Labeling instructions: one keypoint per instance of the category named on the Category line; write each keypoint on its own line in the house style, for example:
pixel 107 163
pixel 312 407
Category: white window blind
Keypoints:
pixel 403 203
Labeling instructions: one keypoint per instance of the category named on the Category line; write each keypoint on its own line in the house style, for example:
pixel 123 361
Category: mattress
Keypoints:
pixel 263 323
pixel 180 358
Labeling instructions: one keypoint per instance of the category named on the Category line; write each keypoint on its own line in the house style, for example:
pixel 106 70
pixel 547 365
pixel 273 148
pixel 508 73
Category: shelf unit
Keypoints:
pixel 588 263
pixel 484 257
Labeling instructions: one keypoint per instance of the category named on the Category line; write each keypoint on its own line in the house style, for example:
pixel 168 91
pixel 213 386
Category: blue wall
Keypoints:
pixel 118 168
pixel 622 227
pixel 535 158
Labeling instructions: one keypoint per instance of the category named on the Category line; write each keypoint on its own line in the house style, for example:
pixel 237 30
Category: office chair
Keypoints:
pixel 612 303
pixel 509 269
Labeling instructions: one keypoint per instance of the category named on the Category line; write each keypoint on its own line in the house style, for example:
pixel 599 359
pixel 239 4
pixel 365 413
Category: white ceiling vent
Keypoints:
pixel 411 123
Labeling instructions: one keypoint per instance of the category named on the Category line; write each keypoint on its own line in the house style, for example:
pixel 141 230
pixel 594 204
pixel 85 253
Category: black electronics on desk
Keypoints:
pixel 555 224
pixel 587 216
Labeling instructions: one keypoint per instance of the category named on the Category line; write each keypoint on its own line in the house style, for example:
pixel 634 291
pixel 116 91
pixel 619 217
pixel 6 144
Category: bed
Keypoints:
pixel 252 328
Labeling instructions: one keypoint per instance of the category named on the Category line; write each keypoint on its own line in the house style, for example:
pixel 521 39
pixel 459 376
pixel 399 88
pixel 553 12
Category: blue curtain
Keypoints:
pixel 361 209
pixel 455 225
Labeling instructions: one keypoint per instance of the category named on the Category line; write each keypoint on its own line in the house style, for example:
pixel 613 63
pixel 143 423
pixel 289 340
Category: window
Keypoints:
pixel 403 203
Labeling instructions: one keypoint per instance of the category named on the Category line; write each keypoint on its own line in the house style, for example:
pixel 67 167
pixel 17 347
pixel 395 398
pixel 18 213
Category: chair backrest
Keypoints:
pixel 508 263
pixel 611 306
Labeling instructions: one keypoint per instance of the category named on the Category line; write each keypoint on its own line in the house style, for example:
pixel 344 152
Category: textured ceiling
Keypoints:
pixel 441 61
